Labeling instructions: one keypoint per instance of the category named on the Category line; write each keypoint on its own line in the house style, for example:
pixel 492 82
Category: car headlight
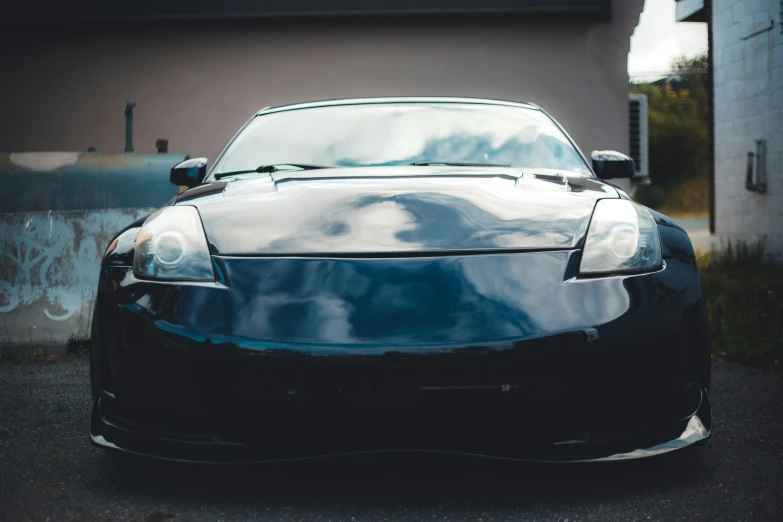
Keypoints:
pixel 171 245
pixel 622 237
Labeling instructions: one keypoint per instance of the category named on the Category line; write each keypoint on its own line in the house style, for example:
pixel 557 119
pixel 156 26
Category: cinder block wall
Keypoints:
pixel 748 107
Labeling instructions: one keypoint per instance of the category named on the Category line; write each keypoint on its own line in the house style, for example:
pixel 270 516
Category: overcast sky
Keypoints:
pixel 659 39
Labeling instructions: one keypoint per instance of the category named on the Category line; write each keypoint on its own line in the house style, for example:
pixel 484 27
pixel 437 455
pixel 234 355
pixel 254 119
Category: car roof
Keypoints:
pixel 398 99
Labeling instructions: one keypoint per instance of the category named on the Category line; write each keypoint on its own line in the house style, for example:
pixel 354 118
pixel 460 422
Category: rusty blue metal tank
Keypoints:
pixel 35 181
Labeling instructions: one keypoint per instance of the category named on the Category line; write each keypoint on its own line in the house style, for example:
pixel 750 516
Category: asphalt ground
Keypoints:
pixel 50 471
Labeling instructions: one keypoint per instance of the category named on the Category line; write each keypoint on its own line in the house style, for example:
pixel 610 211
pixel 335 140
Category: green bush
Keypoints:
pixel 678 120
pixel 744 296
pixel 650 196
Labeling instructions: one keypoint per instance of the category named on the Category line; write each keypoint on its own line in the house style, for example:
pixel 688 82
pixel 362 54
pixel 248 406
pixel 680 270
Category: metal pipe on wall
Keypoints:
pixel 761 166
pixel 129 105
pixel 760 183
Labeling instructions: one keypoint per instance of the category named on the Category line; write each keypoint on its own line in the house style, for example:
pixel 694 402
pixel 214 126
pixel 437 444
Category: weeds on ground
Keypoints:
pixel 78 346
pixel 35 355
pixel 744 295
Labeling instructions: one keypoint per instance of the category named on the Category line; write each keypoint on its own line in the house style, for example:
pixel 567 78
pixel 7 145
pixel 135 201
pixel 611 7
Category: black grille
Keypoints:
pixel 635 133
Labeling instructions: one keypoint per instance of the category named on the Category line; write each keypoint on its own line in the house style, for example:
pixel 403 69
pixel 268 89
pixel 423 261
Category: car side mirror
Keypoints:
pixel 189 173
pixel 608 164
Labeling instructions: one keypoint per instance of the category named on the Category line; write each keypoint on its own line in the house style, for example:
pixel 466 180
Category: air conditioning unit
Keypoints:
pixel 639 134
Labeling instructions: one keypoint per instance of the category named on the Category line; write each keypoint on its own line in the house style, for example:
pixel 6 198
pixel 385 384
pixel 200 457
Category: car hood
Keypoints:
pixel 387 210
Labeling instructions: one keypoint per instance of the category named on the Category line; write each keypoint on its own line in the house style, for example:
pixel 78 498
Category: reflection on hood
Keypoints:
pixel 397 215
pixel 385 304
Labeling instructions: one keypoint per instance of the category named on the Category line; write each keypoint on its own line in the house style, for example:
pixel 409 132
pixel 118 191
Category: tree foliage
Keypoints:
pixel 678 124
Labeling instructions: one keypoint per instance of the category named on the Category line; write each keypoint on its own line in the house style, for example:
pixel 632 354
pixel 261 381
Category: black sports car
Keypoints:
pixel 408 274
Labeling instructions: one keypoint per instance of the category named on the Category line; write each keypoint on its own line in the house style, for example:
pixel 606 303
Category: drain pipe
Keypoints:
pixel 761 166
pixel 760 185
pixel 129 105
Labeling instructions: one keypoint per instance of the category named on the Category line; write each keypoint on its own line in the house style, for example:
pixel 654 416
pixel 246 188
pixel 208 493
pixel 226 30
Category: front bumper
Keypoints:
pixel 505 356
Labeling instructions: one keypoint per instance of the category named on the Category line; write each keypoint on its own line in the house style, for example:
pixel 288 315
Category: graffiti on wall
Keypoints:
pixel 51 260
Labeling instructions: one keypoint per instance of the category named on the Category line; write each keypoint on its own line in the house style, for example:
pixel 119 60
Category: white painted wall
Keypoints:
pixel 196 83
pixel 748 106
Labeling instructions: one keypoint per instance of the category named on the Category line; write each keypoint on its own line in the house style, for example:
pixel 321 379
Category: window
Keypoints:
pixel 386 134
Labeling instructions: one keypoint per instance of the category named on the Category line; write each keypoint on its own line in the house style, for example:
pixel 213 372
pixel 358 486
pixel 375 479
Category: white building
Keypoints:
pixel 746 47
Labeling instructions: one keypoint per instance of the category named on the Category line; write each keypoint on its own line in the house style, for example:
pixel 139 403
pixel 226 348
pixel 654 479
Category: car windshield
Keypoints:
pixel 387 134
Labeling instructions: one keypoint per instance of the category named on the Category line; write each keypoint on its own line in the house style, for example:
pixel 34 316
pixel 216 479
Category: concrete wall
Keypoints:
pixel 748 106
pixel 197 82
pixel 58 212
pixel 49 267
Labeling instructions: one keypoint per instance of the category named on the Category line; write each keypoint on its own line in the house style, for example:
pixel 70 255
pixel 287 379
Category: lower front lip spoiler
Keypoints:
pixel 697 431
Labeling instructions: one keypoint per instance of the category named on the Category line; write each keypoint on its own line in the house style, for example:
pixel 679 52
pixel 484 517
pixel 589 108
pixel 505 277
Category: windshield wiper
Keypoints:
pixel 269 169
pixel 455 164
